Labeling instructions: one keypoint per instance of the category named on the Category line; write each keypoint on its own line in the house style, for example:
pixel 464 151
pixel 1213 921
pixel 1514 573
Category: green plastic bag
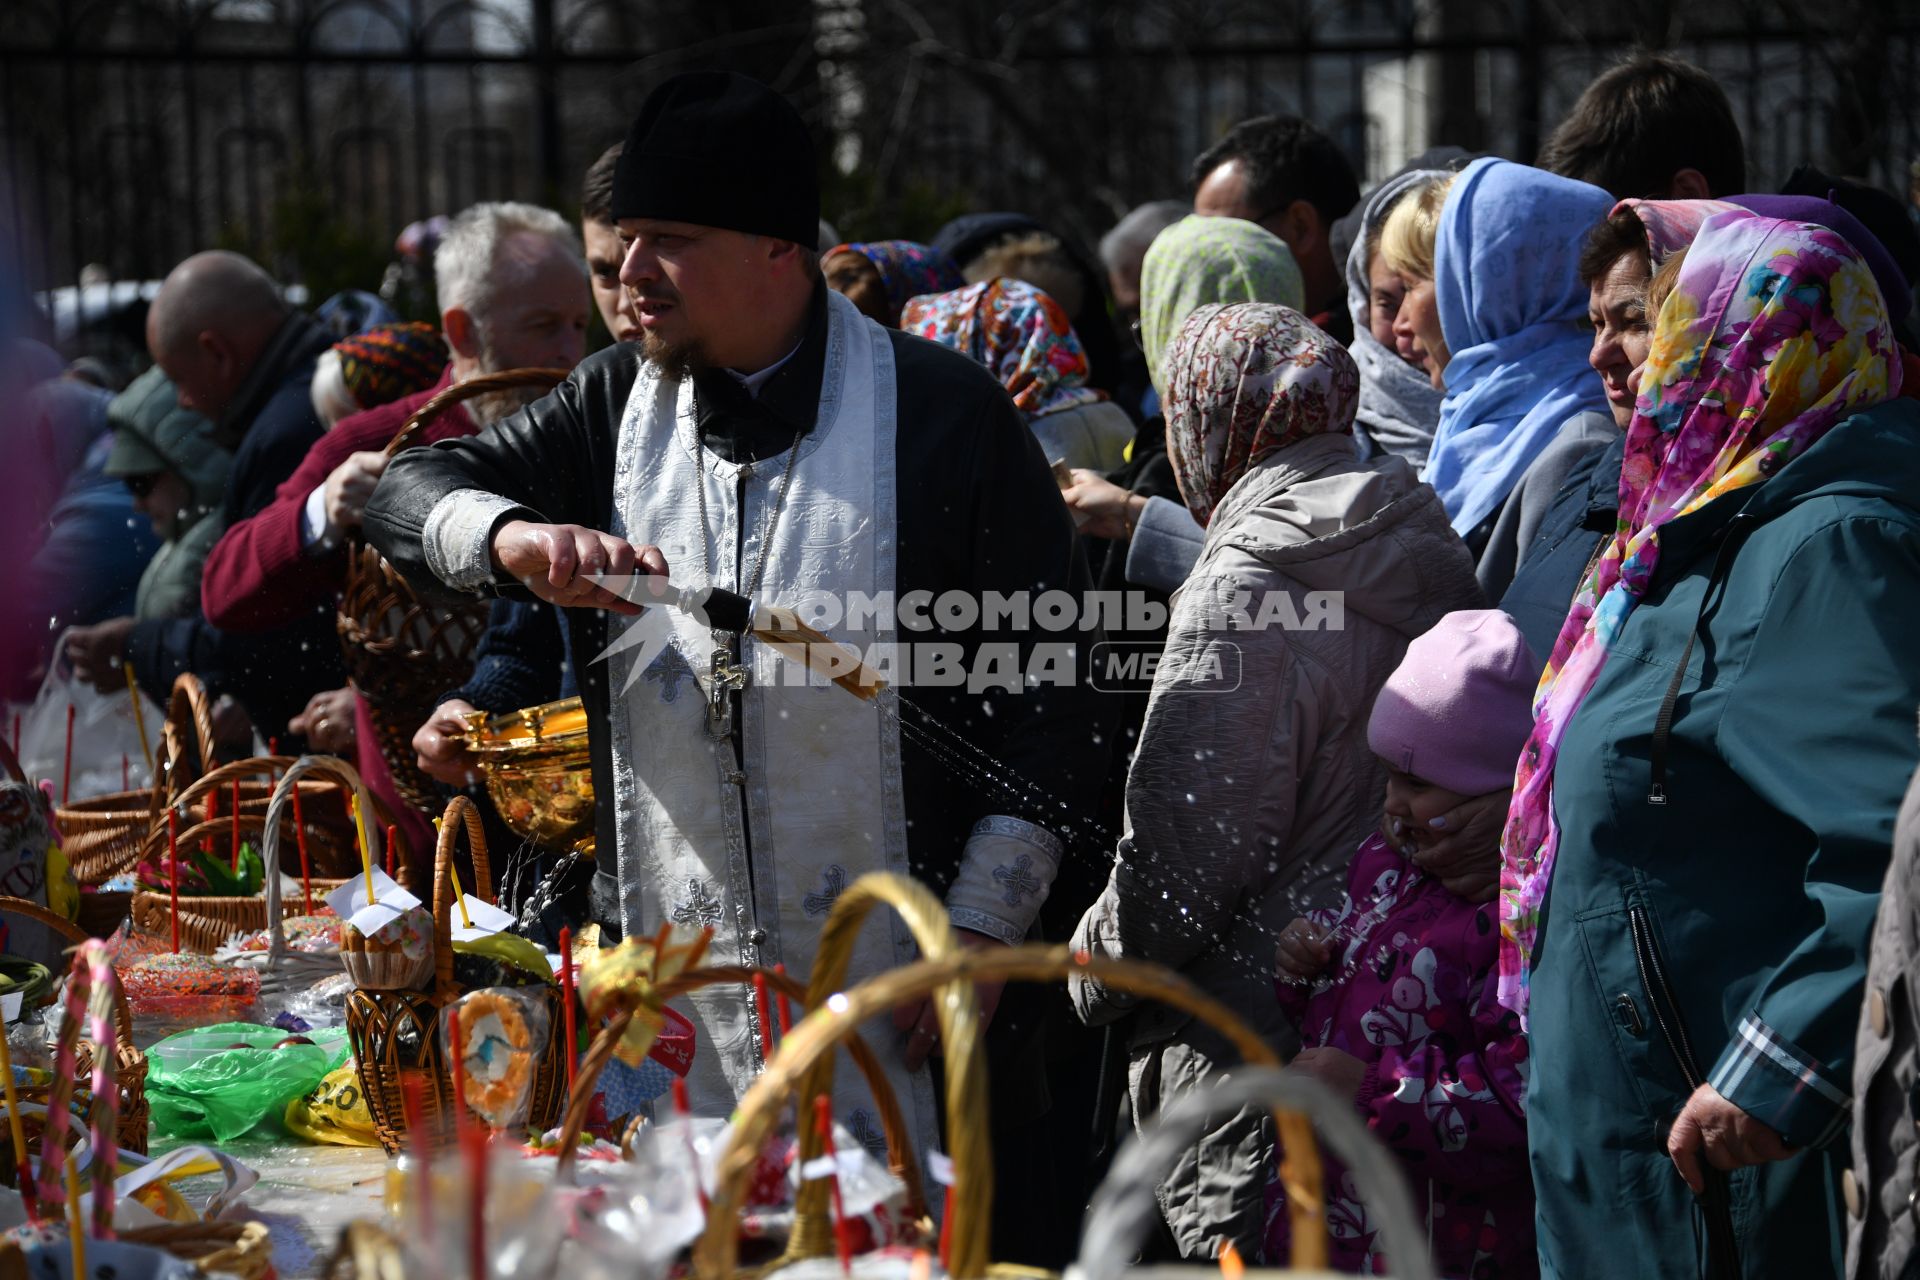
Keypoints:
pixel 198 1086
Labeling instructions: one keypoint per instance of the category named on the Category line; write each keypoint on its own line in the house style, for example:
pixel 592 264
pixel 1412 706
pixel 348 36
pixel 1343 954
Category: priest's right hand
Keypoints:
pixel 557 562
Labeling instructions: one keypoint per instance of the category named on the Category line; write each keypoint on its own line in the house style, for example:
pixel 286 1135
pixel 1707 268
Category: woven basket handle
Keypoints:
pixel 461 815
pixel 1124 1206
pixel 505 380
pixel 188 710
pixel 718 1250
pixel 92 987
pixel 279 807
pixel 900 1155
pixel 925 917
pixel 122 1014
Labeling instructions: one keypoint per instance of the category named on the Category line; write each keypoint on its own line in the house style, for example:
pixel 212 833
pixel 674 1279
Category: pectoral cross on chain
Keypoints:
pixel 725 677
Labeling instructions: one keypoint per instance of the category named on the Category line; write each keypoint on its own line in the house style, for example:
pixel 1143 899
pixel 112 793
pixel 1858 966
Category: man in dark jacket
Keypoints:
pixel 242 357
pixel 765 437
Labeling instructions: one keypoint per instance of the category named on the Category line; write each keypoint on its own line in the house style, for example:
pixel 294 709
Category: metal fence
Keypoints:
pixel 309 132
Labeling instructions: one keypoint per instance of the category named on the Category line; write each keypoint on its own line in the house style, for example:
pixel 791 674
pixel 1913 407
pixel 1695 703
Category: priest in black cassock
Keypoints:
pixel 765 437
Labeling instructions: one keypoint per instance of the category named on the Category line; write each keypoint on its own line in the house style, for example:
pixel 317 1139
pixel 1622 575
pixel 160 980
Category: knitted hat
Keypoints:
pixel 1457 710
pixel 390 362
pixel 717 149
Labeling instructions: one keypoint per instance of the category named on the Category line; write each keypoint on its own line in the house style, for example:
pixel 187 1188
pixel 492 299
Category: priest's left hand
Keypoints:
pixel 921 1024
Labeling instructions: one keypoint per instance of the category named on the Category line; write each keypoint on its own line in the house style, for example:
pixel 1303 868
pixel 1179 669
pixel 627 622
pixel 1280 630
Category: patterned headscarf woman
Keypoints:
pixel 1197 261
pixel 903 268
pixel 1021 336
pixel 1244 382
pixel 1774 333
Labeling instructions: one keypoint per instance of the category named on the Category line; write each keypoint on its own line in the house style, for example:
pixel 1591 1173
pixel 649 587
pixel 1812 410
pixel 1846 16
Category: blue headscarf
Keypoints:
pixel 1513 309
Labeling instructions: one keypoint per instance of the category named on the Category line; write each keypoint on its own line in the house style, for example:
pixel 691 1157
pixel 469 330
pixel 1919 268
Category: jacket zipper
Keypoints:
pixel 1723 1243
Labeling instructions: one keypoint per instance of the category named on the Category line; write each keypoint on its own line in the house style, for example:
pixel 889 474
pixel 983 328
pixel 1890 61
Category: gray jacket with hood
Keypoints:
pixel 1253 783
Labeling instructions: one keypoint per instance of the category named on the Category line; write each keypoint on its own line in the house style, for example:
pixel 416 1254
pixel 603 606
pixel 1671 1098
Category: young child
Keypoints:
pixel 1394 992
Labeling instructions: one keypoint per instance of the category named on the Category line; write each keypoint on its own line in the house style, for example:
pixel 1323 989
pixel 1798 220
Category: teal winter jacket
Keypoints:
pixel 1714 893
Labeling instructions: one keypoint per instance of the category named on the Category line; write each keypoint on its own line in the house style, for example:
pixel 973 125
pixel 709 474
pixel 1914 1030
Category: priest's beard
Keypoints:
pixel 675 360
pixel 490 408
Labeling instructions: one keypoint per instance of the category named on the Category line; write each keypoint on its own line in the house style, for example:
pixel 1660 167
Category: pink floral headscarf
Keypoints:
pixel 1671 225
pixel 1244 381
pixel 1774 333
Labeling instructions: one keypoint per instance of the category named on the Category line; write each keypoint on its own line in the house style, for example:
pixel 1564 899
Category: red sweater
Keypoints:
pixel 258 576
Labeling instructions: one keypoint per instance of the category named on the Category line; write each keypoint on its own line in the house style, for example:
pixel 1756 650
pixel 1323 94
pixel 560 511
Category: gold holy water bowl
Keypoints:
pixel 539 772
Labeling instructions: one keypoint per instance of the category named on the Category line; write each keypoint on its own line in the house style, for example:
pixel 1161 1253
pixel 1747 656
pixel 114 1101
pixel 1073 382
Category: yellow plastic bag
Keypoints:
pixel 335 1112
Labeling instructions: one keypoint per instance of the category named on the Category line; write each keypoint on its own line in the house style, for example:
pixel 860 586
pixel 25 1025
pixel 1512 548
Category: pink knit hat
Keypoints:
pixel 1457 710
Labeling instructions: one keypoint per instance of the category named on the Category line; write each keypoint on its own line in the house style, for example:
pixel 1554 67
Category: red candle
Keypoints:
pixel 392 864
pixel 235 824
pixel 682 1110
pixel 66 772
pixel 306 868
pixel 476 1148
pixel 766 1022
pixel 781 1003
pixel 823 1118
pixel 946 1233
pixel 173 873
pixel 126 782
pixel 273 746
pixel 459 1066
pixel 213 811
pixel 566 1002
pixel 414 1108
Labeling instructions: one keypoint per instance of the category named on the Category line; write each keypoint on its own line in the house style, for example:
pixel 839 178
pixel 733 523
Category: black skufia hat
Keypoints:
pixel 718 149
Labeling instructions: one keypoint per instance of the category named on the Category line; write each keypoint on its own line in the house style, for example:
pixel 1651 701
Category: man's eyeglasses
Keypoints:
pixel 141 487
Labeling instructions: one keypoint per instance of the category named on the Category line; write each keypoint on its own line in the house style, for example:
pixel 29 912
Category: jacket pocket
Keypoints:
pixel 1657 1088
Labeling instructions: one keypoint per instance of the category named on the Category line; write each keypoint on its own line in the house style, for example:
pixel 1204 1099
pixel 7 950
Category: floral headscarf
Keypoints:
pixel 1198 261
pixel 907 269
pixel 1774 333
pixel 1671 225
pixel 1019 333
pixel 1245 381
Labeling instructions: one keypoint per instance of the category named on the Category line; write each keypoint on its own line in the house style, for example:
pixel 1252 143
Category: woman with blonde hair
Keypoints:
pixel 1496 311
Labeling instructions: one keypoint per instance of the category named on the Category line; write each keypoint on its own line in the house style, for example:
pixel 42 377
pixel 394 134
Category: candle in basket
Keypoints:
pixel 360 834
pixel 235 827
pixel 139 716
pixel 173 874
pixel 823 1120
pixel 23 1170
pixel 566 1002
pixel 392 843
pixel 66 771
pixel 306 867
pixel 76 1229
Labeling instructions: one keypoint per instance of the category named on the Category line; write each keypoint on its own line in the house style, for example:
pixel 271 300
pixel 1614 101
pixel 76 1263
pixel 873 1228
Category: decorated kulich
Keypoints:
pixel 539 772
pixel 398 957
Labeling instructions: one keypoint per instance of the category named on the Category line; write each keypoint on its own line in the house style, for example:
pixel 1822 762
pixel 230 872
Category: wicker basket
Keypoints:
pixel 893 1123
pixel 207 921
pixel 243 1249
pixel 102 836
pixel 403 653
pixel 396 1034
pixel 125 1115
pixel 803 1068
